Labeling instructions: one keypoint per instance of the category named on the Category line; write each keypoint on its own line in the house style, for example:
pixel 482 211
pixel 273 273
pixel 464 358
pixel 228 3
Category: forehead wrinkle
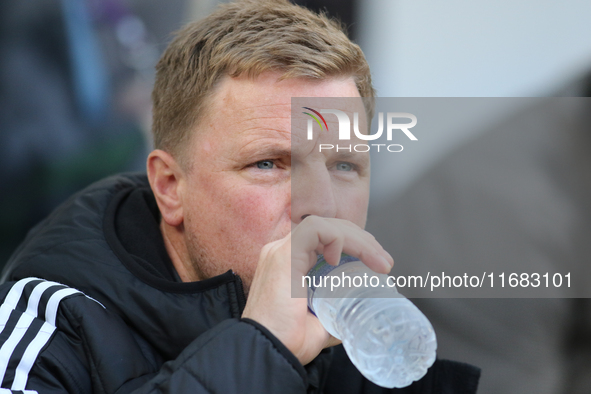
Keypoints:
pixel 302 147
pixel 261 135
pixel 256 121
pixel 270 105
pixel 267 144
pixel 262 110
pixel 260 132
pixel 260 122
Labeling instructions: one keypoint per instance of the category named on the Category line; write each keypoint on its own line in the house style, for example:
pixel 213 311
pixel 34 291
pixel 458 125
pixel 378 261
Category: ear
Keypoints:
pixel 166 180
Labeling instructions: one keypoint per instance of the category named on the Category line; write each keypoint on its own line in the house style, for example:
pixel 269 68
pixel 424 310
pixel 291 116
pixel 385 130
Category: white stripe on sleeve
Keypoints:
pixel 24 322
pixel 28 360
pixel 54 302
pixel 15 293
pixel 35 296
pixel 15 337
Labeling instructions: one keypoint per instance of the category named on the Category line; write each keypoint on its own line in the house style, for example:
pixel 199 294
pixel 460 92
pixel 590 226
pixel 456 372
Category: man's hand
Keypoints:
pixel 283 263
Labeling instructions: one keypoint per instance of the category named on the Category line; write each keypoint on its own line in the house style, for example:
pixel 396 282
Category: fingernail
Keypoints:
pixel 391 259
pixel 386 264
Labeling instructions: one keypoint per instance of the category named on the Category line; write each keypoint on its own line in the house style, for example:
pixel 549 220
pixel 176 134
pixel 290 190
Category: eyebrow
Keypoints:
pixel 265 150
pixel 352 156
pixel 274 152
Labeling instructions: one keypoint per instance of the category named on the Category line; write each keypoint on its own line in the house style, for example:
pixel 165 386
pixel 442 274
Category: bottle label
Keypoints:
pixel 322 268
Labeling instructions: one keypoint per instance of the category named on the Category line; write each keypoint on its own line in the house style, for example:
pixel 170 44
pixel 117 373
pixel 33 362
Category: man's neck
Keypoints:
pixel 174 241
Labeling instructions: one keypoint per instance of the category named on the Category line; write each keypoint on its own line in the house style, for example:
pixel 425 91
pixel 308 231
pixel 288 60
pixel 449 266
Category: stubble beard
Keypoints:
pixel 207 266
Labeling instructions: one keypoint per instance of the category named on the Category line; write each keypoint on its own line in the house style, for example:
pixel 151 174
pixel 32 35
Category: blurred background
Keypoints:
pixel 76 77
pixel 470 49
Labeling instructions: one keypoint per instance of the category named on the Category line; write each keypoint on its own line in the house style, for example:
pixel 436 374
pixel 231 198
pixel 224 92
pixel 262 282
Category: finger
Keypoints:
pixel 359 243
pixel 364 235
pixel 333 236
pixel 332 251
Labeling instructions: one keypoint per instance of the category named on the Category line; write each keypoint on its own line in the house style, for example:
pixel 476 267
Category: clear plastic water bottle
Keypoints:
pixel 386 336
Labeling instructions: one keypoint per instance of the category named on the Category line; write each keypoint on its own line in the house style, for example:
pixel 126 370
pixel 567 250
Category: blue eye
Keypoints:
pixel 342 166
pixel 265 164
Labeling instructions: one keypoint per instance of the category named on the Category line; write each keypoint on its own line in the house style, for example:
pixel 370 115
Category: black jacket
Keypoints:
pixel 131 325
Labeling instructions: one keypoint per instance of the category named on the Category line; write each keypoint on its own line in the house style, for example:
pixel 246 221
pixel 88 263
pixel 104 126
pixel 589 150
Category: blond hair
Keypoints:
pixel 247 38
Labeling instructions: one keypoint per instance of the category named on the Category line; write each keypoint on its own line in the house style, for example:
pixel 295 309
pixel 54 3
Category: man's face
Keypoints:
pixel 246 186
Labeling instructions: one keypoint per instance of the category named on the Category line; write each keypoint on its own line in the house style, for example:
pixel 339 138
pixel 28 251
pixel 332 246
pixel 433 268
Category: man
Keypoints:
pixel 158 272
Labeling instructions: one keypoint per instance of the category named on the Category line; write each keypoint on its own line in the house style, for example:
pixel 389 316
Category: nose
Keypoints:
pixel 312 192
